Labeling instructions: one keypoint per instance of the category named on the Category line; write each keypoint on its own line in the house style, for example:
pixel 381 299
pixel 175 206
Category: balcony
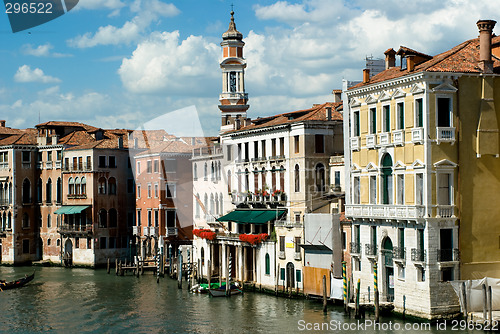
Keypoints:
pixel 150 231
pixel 258 199
pixel 448 255
pixel 384 211
pixel 172 231
pixel 417 135
pixel 418 255
pixel 287 223
pixel 39 165
pixel 4 203
pixel 58 164
pixel 355 248
pixel 281 255
pixel 445 135
pixel 238 96
pixel 297 256
pixel 445 211
pixel 384 138
pixel 48 165
pixel 399 253
pixel 277 157
pixel 371 141
pixel 4 165
pixel 229 127
pixel 355 143
pixel 75 229
pixel 370 250
pixel 136 230
pixel 77 196
pixel 398 137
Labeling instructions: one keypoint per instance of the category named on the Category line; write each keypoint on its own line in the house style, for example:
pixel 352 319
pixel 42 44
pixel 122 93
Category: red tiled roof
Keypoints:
pixel 87 127
pixel 463 58
pixel 316 113
pixel 26 137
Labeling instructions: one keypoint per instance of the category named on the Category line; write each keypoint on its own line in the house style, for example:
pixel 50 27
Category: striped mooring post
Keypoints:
pixel 375 279
pixel 344 278
pixel 228 279
pixel 376 303
pixel 158 265
pixel 189 268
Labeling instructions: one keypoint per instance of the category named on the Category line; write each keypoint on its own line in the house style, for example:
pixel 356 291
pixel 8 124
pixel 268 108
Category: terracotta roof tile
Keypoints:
pixel 61 123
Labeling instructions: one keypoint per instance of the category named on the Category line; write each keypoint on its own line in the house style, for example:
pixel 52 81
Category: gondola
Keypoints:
pixel 221 291
pixel 17 283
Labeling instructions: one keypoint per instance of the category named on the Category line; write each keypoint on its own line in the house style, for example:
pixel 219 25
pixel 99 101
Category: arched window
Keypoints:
pixel 256 180
pixel 39 191
pixel 268 264
pixel 102 185
pixel 103 218
pixel 71 186
pixel 48 191
pixel 229 181
pixel 26 220
pixel 195 172
pixel 9 221
pixel 273 179
pixel 297 178
pixel 113 218
pixel 59 190
pixel 216 208
pixel 320 177
pixel 78 186
pixel 205 203
pixel 386 179
pixel 26 191
pixel 197 199
pixel 84 185
pixel 112 186
pixel 48 242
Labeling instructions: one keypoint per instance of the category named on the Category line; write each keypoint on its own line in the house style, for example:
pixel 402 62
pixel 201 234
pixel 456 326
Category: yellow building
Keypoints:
pixel 422 162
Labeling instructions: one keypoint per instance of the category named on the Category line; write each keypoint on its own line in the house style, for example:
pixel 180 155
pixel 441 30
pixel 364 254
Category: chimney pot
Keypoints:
pixel 366 75
pixel 410 62
pixel 485 31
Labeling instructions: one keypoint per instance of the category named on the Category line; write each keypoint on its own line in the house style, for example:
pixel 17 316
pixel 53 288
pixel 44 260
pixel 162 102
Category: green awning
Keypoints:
pixel 252 216
pixel 71 209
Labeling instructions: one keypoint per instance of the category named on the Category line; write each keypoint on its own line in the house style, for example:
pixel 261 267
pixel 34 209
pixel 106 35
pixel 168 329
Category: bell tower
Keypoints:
pixel 233 100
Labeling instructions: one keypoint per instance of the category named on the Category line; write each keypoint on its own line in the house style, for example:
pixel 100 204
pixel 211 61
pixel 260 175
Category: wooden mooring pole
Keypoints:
pixel 179 271
pixel 324 293
pixel 108 267
pixel 376 296
pixel 116 267
pixel 357 313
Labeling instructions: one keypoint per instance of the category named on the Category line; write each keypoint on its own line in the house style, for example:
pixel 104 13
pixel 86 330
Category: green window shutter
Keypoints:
pixel 282 274
pixel 298 276
pixel 268 265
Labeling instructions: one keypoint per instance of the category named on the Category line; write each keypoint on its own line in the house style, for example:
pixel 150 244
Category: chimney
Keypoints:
pixel 2 123
pixel 366 75
pixel 410 63
pixel 485 32
pixel 390 58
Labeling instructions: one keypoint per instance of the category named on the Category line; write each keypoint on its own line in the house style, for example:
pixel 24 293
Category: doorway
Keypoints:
pixel 68 253
pixel 388 268
pixel 290 275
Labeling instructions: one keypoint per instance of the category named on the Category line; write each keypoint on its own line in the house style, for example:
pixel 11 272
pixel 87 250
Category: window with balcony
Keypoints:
pixel 387 179
pixel 373 120
pixel 356 190
pixel 400 115
pixel 356 126
pixel 444 112
pixel 419 113
pixel 400 191
pixel 170 217
pixel 419 189
pixel 373 189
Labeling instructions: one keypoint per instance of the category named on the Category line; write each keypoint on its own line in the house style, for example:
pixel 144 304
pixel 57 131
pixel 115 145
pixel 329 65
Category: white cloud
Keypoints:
pixel 43 50
pixel 147 12
pixel 26 74
pixel 163 63
pixel 100 4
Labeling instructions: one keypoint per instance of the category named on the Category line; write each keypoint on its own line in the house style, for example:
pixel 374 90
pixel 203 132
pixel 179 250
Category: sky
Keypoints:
pixel 123 63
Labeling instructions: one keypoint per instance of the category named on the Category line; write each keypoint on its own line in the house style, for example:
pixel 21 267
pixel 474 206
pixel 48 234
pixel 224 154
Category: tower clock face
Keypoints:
pixel 232 82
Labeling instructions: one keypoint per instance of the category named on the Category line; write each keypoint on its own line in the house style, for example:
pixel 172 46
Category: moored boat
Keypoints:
pixel 17 283
pixel 221 291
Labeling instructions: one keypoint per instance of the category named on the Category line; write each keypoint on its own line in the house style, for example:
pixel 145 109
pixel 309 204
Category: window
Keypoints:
pixel 26 220
pixel 400 192
pixel 373 189
pixel 445 196
pixel 320 177
pixel 263 148
pixel 296 144
pixel 26 156
pixel 356 190
pixel 400 115
pixel 39 191
pixel 420 274
pixel 102 242
pixel 195 172
pixel 59 190
pixel 319 143
pixel 273 147
pixel 138 167
pixel 149 166
pixel 49 221
pixel 102 161
pixel 170 165
pixel 256 150
pixel 103 218
pixel 386 118
pixel 138 191
pixel 138 217
pixel 232 82
pixel 156 166
pixel 71 186
pixel 89 243
pixel 26 191
pixel 156 190
pixel 26 246
pixel 298 276
pixel 229 149
pixel 268 264
pixel 344 240
pixel 77 242
pixel 297 244
pixel 113 217
pixel 337 178
pixel 419 113
pixel 112 161
pixel 48 192
pixel 150 218
pixel 170 217
pixel 282 243
pixel 355 125
pixel 297 217
pixel 297 178
pixel 282 146
pixel 101 186
pixel 373 120
pixel 89 163
pixel 170 190
pixel 444 112
pixel 387 179
pixel 49 155
pixel 149 190
pixel 419 189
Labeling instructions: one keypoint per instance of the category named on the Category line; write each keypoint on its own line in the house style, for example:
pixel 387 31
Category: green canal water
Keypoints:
pixel 63 300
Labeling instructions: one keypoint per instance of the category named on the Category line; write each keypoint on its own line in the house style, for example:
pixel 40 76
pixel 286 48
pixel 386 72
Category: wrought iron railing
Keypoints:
pixel 418 255
pixel 370 249
pixel 355 248
pixel 399 253
pixel 447 255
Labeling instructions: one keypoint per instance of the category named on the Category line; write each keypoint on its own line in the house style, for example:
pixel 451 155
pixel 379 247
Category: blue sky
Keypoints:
pixel 121 63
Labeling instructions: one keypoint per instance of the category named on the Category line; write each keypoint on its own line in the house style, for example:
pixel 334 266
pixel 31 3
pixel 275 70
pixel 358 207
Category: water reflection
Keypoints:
pixel 81 300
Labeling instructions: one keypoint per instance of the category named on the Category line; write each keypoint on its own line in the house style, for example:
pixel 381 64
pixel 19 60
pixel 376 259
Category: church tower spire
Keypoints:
pixel 233 100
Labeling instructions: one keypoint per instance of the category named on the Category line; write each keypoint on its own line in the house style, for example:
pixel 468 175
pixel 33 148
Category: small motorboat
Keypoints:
pixel 221 291
pixel 17 283
pixel 203 287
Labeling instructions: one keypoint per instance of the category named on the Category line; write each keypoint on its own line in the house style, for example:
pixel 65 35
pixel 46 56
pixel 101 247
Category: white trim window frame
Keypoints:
pixel 445 129
pixel 386 118
pixel 400 188
pixel 373 184
pixel 418 113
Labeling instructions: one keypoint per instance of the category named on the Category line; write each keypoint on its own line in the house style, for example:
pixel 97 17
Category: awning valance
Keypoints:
pixel 252 216
pixel 71 209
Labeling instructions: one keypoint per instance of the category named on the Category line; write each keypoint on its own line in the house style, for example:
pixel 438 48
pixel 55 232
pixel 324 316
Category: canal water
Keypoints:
pixel 63 300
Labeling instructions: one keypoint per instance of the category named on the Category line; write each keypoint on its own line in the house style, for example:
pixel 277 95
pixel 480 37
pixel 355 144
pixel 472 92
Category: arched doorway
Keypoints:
pixel 388 268
pixel 68 253
pixel 290 275
pixel 39 249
